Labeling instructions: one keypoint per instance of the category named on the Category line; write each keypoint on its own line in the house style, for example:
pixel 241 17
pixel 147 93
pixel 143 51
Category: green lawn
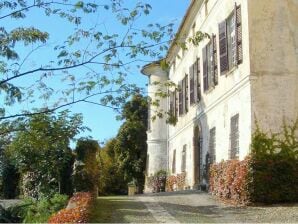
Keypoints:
pixel 120 209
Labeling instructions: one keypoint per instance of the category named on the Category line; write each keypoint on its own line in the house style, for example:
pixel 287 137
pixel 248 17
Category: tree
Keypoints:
pixel 90 64
pixel 86 168
pixel 123 158
pixel 131 146
pixel 41 152
pixel 111 178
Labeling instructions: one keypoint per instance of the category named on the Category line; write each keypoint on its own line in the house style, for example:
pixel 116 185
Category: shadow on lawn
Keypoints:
pixel 120 210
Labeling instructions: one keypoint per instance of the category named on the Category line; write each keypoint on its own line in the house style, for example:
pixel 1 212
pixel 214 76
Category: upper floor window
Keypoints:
pixel 210 73
pixel 183 161
pixel 230 41
pixel 194 82
pixel 183 96
pixel 234 137
pixel 173 103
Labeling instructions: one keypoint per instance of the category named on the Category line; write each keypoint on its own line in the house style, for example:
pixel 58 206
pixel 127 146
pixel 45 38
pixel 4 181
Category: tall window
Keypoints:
pixel 174 162
pixel 234 137
pixel 230 41
pixel 173 102
pixel 210 73
pixel 183 96
pixel 194 82
pixel 212 145
pixel 183 161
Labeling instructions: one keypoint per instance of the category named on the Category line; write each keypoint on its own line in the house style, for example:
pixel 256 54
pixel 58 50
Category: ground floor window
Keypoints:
pixel 234 137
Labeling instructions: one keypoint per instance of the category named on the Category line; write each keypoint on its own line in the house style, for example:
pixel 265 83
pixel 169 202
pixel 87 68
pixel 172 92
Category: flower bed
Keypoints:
pixel 77 210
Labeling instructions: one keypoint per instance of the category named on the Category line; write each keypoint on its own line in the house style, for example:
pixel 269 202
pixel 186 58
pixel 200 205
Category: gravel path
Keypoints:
pixel 187 207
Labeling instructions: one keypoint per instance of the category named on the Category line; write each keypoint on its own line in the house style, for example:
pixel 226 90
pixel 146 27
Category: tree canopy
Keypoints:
pixel 89 61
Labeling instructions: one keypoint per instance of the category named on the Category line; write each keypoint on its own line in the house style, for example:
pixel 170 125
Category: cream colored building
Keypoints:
pixel 246 71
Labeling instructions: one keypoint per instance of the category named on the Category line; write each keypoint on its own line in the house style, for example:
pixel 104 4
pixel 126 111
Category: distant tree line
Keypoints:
pixel 123 158
pixel 37 162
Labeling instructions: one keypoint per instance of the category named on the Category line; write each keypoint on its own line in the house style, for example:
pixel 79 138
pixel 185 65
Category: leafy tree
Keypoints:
pixel 41 152
pixel 123 158
pixel 86 169
pixel 111 178
pixel 90 63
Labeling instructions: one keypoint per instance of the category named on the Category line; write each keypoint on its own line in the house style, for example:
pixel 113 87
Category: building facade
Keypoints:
pixel 245 70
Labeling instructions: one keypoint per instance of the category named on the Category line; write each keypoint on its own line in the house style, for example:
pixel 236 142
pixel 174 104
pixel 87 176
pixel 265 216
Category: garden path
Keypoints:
pixel 186 207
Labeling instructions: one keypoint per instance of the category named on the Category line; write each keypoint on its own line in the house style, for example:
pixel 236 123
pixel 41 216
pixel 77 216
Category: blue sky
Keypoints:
pixel 100 120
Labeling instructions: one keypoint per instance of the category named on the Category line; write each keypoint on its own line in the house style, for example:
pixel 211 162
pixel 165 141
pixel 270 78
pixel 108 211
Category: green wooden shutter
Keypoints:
pixel 205 69
pixel 223 47
pixel 238 32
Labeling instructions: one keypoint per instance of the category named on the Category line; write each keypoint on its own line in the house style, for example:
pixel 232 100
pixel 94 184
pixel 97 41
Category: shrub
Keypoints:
pixel 13 214
pixel 40 210
pixel 273 162
pixel 77 210
pixel 171 183
pixel 229 179
pixel 157 182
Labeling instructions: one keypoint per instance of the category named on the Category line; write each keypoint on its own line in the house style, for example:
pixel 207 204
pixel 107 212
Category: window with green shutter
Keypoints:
pixel 230 41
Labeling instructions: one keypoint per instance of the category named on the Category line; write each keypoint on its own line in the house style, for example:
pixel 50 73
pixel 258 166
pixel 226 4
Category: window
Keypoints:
pixel 174 65
pixel 173 101
pixel 193 30
pixel 186 94
pixel 212 145
pixel 234 137
pixel 183 161
pixel 230 41
pixel 174 162
pixel 210 74
pixel 183 96
pixel 194 83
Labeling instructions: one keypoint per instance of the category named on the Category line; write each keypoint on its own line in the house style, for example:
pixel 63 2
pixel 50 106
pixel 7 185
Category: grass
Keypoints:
pixel 120 209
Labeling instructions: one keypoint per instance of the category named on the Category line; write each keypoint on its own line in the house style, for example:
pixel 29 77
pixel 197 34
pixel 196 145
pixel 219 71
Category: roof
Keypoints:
pixel 184 24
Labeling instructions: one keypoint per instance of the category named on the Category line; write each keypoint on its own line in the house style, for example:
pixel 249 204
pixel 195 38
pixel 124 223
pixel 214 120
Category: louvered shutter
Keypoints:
pixel 183 96
pixel 210 64
pixel 198 75
pixel 191 85
pixel 195 81
pixel 238 32
pixel 215 67
pixel 205 69
pixel 176 102
pixel 186 93
pixel 180 98
pixel 171 103
pixel 223 47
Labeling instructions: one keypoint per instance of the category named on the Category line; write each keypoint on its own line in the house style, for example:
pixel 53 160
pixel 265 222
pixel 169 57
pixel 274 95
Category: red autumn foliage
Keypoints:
pixel 229 180
pixel 77 210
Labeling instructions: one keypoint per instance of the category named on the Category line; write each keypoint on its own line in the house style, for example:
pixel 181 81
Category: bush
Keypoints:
pixel 273 162
pixel 13 214
pixel 39 211
pixel 229 180
pixel 157 182
pixel 77 210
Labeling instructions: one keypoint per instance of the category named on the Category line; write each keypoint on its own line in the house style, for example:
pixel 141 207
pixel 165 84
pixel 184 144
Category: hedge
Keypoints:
pixel 268 175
